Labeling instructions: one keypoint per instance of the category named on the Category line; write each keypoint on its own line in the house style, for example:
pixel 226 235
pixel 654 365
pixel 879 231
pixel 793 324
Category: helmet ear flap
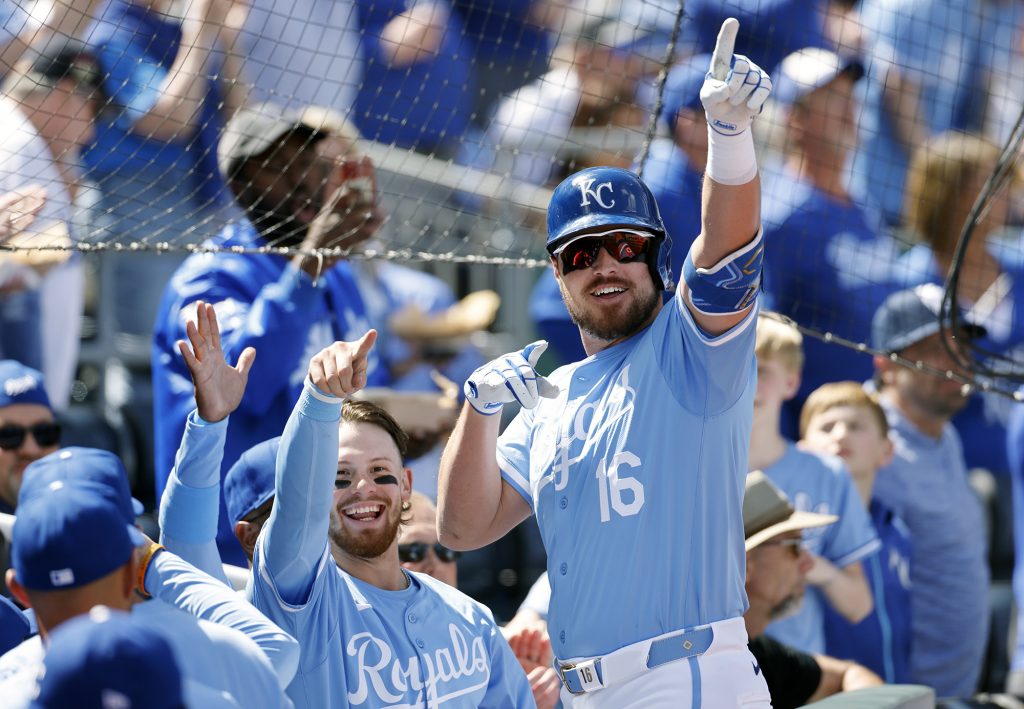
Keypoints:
pixel 659 263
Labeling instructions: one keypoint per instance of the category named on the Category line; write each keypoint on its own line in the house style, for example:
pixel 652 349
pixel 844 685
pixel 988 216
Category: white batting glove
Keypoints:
pixel 511 377
pixel 735 88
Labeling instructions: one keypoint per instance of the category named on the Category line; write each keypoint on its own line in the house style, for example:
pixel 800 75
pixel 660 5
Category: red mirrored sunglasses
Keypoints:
pixel 623 245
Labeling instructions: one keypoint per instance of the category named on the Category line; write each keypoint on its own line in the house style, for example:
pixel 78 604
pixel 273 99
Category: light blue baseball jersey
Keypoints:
pixel 926 485
pixel 636 475
pixel 361 646
pixel 819 483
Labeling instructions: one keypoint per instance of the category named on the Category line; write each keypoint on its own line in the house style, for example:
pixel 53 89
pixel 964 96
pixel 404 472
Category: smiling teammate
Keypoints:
pixel 634 459
pixel 326 567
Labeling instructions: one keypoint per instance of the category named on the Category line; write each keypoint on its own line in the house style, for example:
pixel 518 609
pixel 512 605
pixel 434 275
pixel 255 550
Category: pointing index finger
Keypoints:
pixel 366 343
pixel 721 60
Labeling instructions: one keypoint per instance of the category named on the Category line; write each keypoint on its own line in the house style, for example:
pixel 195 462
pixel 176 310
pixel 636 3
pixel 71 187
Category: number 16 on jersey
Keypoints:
pixel 618 492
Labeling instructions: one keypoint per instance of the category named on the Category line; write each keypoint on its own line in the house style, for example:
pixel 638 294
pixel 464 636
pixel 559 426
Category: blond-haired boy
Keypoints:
pixel 844 420
pixel 815 483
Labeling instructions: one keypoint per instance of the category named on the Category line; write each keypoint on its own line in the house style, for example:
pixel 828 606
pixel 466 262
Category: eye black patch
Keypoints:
pixel 386 480
pixel 341 484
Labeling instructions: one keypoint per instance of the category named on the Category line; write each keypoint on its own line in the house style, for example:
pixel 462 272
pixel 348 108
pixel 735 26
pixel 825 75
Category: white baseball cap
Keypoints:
pixel 808 69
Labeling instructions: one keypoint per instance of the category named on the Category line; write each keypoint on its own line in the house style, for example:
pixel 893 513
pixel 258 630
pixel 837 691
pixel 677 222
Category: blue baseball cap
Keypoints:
pixel 102 660
pixel 69 535
pixel 911 315
pixel 14 626
pixel 809 69
pixel 21 385
pixel 682 88
pixel 90 465
pixel 250 481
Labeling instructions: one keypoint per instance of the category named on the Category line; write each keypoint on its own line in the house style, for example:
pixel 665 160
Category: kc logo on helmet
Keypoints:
pixel 586 192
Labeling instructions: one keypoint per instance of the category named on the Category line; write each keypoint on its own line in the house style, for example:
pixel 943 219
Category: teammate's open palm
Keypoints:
pixel 341 369
pixel 511 377
pixel 218 386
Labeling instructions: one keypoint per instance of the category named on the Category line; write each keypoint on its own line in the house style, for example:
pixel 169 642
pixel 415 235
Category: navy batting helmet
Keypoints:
pixel 609 197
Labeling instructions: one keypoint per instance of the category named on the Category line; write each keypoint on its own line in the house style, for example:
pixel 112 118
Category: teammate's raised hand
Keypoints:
pixel 511 377
pixel 341 368
pixel 735 88
pixel 218 386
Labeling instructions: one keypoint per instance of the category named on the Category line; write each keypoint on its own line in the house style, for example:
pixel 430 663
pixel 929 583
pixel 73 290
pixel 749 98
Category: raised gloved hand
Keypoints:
pixel 735 88
pixel 510 377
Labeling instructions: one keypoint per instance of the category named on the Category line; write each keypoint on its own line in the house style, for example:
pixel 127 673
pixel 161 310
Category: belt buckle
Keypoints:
pixel 561 673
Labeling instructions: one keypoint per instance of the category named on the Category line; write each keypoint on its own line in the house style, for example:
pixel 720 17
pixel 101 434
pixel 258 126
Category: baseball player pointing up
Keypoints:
pixel 634 459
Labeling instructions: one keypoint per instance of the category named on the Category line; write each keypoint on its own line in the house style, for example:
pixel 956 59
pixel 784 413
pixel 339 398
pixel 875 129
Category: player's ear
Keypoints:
pixel 792 383
pixel 128 580
pixel 247 533
pixel 883 369
pixel 887 453
pixel 406 484
pixel 17 590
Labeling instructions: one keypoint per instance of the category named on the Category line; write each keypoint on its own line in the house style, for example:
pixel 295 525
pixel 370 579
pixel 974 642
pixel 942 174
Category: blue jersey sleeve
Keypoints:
pixel 706 374
pixel 191 499
pixel 853 537
pixel 295 537
pixel 513 454
pixel 181 585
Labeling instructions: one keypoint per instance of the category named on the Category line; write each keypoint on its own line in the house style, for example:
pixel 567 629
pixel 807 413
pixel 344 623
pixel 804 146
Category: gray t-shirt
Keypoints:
pixel 926 485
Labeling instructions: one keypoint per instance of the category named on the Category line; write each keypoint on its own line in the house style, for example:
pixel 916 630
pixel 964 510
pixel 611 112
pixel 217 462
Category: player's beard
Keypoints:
pixel 368 544
pixel 609 326
pixel 276 224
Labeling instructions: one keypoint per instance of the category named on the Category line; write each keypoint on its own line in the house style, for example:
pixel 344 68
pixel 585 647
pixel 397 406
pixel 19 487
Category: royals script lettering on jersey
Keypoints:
pixel 390 678
pixel 635 473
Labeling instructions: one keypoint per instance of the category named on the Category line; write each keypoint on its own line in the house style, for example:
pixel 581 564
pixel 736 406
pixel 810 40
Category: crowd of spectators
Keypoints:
pixel 242 125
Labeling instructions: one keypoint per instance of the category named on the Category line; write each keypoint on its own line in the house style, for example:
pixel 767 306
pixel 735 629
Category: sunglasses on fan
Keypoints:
pixel 624 245
pixel 795 546
pixel 45 434
pixel 417 551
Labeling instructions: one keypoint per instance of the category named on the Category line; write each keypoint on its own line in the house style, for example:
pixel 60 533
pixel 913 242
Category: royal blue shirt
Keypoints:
pixel 881 641
pixel 829 269
pixel 1015 450
pixel 769 29
pixel 262 302
pixel 940 45
pixel 136 48
pixel 424 105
